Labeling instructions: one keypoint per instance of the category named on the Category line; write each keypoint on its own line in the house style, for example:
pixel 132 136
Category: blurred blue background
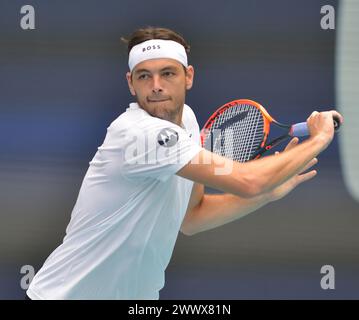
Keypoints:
pixel 62 84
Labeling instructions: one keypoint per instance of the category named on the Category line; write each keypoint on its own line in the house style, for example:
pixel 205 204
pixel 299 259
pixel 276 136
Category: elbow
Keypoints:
pixel 187 231
pixel 188 228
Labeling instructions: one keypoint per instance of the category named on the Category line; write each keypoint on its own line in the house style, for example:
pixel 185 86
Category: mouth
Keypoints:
pixel 157 100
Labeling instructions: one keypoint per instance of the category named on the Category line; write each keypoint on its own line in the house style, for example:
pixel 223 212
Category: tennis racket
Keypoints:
pixel 239 130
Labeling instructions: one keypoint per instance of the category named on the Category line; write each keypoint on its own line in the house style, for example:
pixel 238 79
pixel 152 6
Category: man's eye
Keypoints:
pixel 168 74
pixel 143 77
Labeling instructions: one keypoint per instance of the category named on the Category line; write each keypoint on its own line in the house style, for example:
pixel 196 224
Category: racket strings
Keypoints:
pixel 238 139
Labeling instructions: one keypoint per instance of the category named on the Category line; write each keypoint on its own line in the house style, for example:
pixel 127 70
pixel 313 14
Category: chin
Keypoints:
pixel 165 112
pixel 162 113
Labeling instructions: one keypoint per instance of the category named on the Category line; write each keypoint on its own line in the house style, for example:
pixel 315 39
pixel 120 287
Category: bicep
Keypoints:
pixel 196 196
pixel 195 200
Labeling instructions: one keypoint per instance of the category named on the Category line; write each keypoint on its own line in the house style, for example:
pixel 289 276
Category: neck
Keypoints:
pixel 178 118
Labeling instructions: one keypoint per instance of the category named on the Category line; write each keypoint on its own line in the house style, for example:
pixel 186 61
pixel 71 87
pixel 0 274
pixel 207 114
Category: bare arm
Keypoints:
pixel 260 176
pixel 210 211
pixel 217 209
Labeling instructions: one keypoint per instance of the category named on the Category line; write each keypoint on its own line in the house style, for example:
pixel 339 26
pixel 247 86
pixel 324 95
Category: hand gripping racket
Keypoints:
pixel 239 130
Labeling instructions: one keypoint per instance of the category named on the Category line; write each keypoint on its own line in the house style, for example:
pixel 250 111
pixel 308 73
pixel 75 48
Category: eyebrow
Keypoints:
pixel 141 70
pixel 161 70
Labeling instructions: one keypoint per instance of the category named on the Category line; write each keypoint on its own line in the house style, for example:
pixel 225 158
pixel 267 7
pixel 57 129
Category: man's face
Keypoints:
pixel 160 87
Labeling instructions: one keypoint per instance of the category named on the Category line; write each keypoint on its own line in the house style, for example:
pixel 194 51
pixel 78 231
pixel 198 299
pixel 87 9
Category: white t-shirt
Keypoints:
pixel 128 213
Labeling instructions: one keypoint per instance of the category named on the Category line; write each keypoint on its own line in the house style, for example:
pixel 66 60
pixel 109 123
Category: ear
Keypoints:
pixel 129 82
pixel 189 77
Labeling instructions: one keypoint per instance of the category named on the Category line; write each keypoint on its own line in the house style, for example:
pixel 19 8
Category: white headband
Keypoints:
pixel 157 48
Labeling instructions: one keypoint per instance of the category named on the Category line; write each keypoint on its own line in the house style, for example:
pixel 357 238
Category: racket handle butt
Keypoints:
pixel 336 121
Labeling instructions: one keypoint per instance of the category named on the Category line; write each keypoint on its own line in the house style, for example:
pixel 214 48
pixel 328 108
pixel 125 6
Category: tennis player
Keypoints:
pixel 146 182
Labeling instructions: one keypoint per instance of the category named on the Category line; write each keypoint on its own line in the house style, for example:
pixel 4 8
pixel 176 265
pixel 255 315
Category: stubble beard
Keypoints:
pixel 164 111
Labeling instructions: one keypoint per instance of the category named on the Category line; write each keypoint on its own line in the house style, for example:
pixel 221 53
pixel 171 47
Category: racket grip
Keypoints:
pixel 301 129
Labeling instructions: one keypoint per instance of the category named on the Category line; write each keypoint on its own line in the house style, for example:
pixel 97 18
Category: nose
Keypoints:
pixel 156 85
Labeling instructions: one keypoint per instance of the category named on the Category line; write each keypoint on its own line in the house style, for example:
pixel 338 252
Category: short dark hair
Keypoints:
pixel 148 33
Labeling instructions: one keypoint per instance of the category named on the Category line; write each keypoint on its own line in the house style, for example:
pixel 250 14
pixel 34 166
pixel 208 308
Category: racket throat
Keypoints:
pixel 269 146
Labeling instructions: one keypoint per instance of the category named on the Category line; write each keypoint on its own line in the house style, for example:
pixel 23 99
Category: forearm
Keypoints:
pixel 252 178
pixel 269 172
pixel 218 209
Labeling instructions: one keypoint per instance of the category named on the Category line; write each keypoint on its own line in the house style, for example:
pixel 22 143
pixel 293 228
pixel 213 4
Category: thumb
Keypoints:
pixel 292 143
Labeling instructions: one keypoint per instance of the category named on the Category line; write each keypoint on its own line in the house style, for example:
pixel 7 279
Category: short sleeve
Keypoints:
pixel 158 151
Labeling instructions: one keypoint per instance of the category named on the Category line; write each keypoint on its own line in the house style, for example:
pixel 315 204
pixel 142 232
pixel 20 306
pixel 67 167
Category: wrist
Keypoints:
pixel 321 140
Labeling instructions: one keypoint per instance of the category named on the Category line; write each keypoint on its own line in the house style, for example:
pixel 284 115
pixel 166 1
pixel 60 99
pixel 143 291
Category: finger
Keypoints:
pixel 276 153
pixel 306 176
pixel 292 143
pixel 310 164
pixel 313 114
